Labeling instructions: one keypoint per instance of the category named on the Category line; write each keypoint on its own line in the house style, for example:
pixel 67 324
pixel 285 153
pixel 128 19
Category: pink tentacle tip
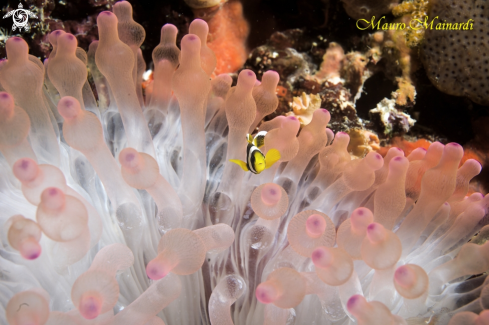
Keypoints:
pixel 90 306
pixel 398 158
pixel 315 225
pixel 361 218
pixel 375 232
pixel 53 198
pixel 17 39
pixel 129 158
pixel 266 293
pixel 30 249
pixel 25 169
pixel 354 302
pixel 404 276
pixel 192 37
pixel 454 144
pixel 69 107
pixel 316 255
pixel 6 105
pixel 155 270
pixel 246 77
pixel 271 194
pixel 293 118
pixel 321 257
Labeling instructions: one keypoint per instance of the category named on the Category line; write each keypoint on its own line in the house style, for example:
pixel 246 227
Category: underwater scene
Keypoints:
pixel 244 162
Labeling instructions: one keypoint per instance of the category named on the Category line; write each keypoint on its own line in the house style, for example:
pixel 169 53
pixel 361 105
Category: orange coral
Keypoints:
pixel 405 145
pixel 408 146
pixel 228 31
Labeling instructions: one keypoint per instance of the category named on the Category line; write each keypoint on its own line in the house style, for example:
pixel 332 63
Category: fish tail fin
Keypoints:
pixel 241 164
pixel 273 155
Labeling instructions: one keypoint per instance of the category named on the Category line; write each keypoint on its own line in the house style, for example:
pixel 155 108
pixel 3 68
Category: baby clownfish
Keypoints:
pixel 256 161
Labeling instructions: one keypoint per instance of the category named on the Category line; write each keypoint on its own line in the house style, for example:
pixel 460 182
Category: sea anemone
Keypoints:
pixel 127 210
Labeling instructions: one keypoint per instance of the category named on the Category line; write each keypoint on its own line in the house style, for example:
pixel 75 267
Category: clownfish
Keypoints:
pixel 256 161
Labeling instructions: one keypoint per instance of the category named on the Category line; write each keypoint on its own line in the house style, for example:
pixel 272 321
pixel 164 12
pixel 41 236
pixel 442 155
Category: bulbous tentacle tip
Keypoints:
pixel 123 10
pixel 453 151
pixel 246 80
pixel 190 44
pixel 322 257
pixel 355 303
pixel 399 164
pixel 67 42
pixel 374 160
pixel 69 107
pixel 411 281
pixel 54 36
pixel 291 124
pixel 106 19
pixel 169 29
pixel 341 138
pixel 37 311
pixel 90 306
pixel 471 165
pixel 404 276
pixel 361 218
pixel 30 249
pixel 93 46
pixel 270 79
pixel 226 78
pixel 16 47
pixel 25 169
pixel 53 198
pixel 6 104
pixel 315 225
pixel 376 232
pixel 266 293
pixel 129 158
pixel 271 194
pixel 156 270
pixel 320 118
pixel 200 28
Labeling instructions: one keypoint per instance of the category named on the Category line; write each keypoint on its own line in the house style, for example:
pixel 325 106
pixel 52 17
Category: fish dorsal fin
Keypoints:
pixel 241 164
pixel 273 155
pixel 249 138
pixel 259 139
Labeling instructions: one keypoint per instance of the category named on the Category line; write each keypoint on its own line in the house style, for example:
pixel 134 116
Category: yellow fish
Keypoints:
pixel 256 161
